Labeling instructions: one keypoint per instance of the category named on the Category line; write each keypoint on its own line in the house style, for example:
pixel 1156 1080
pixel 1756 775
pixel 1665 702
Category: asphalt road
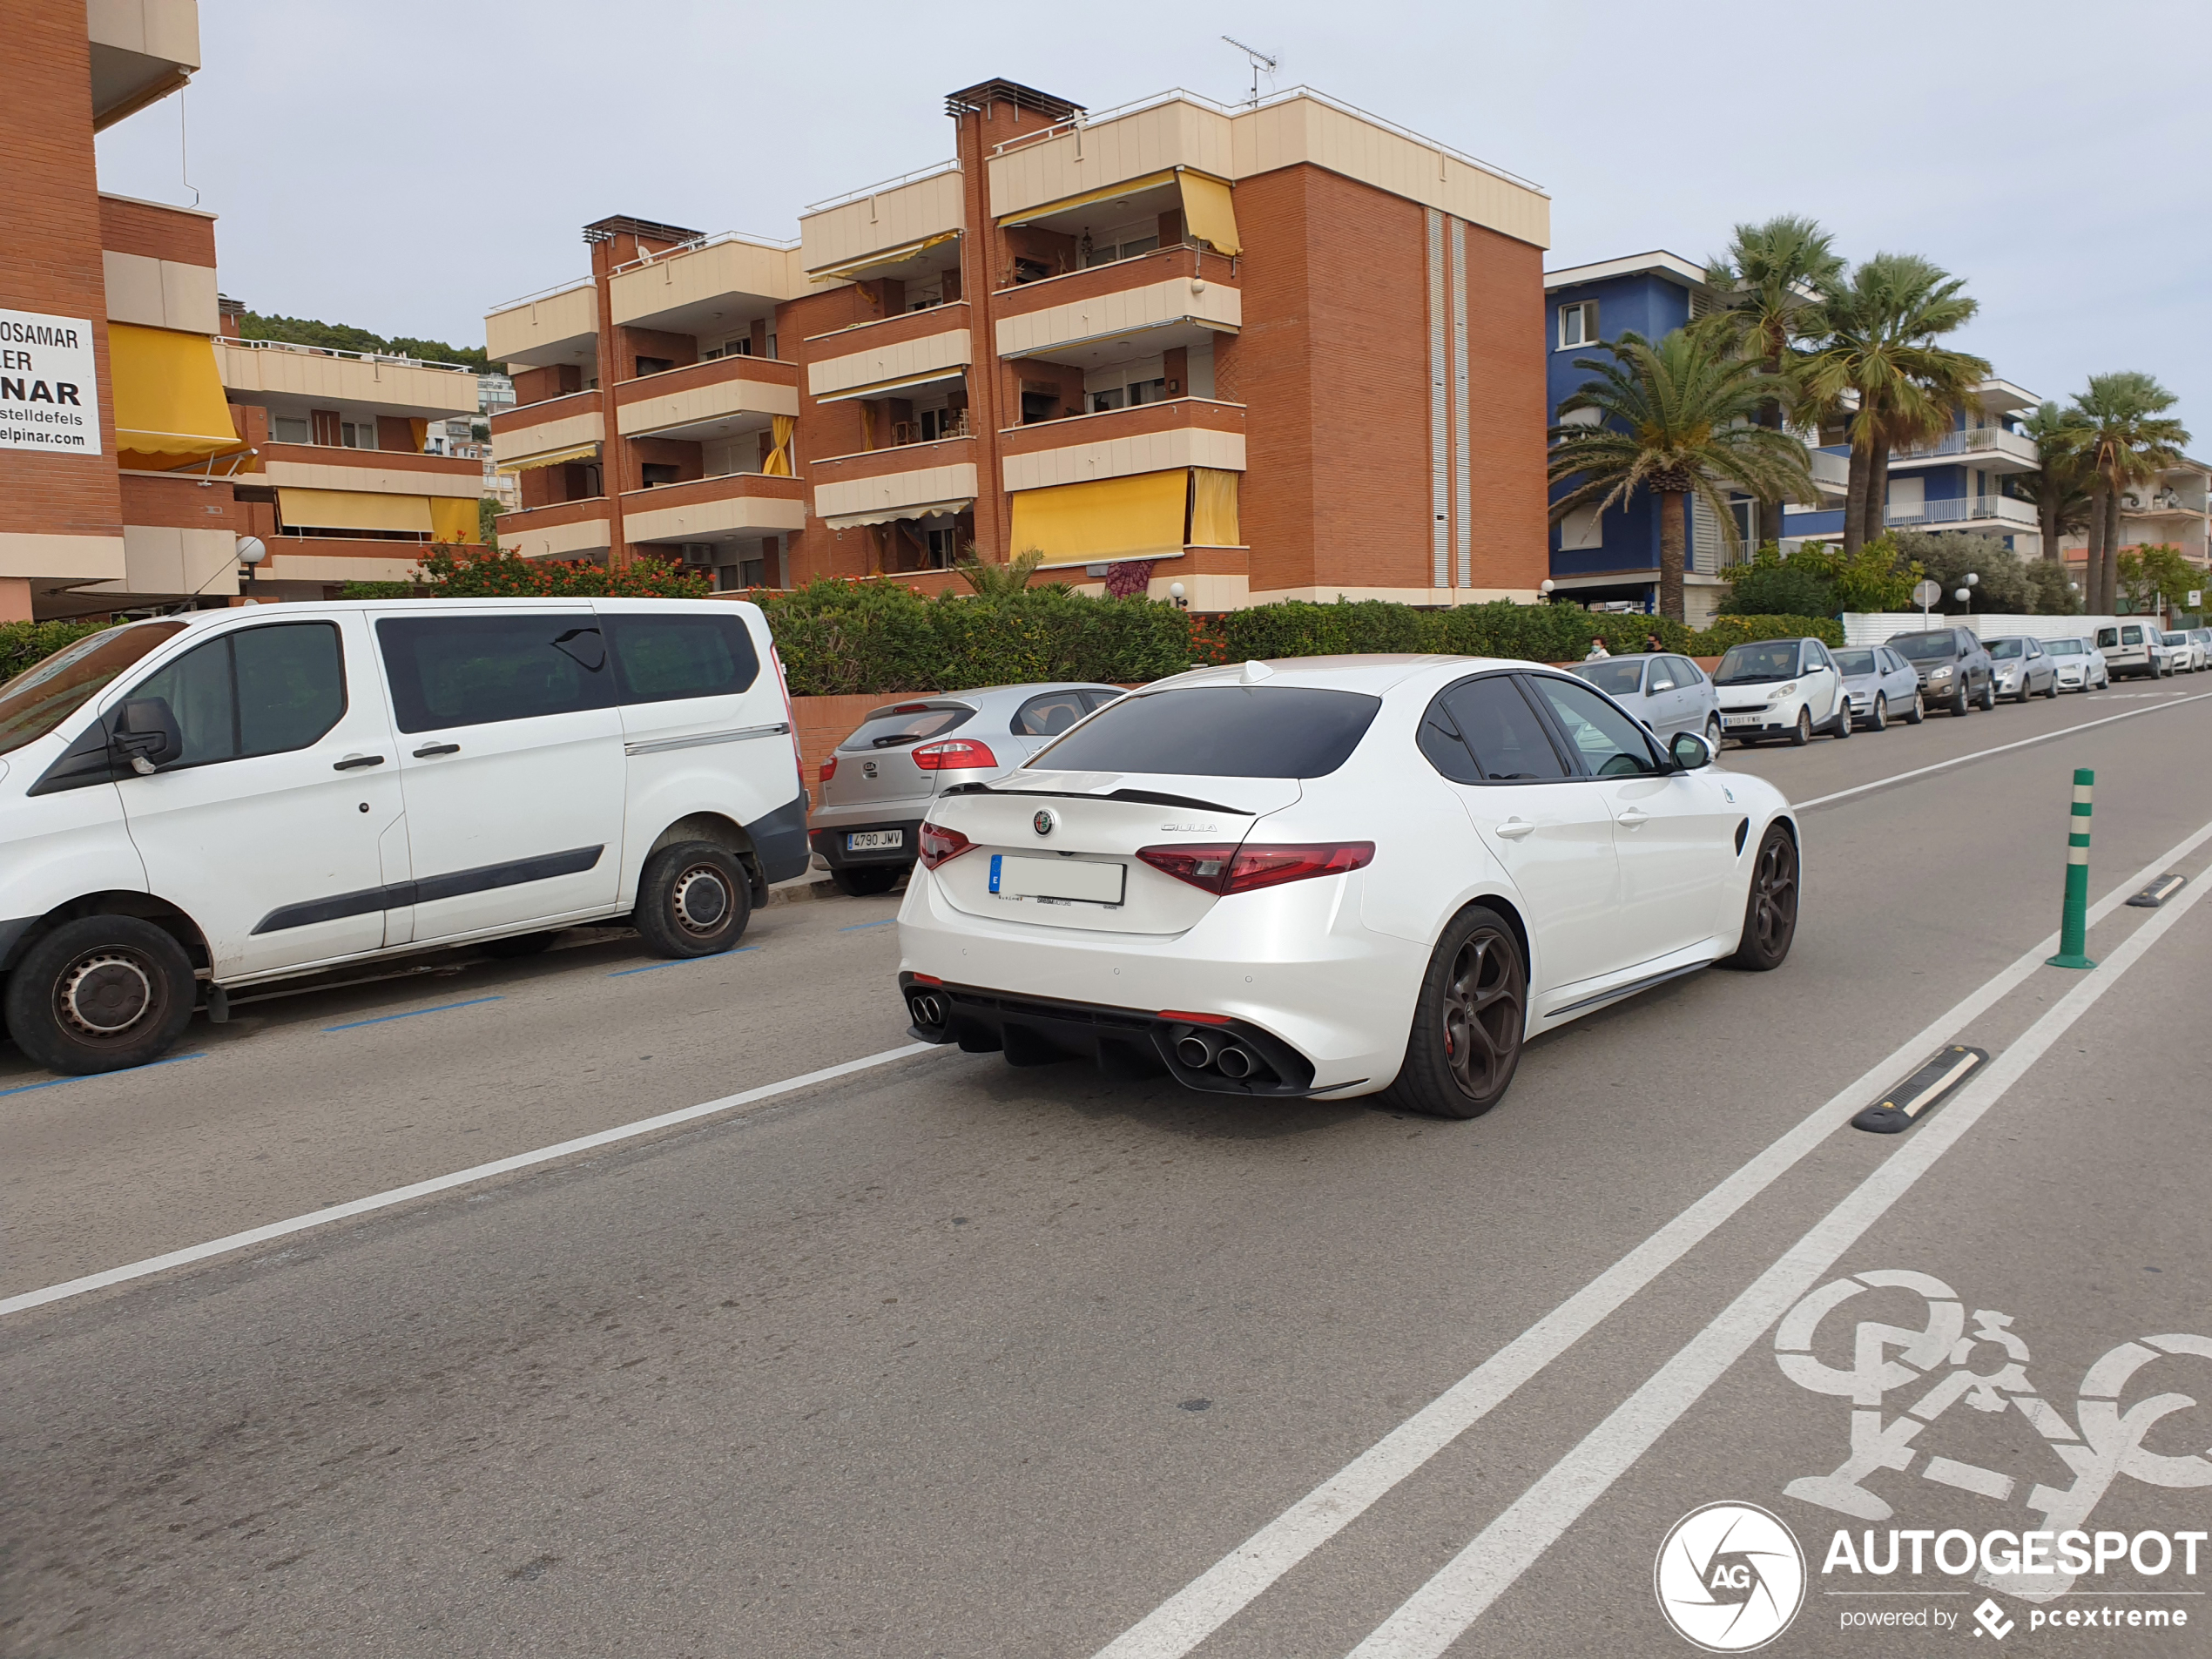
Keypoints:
pixel 941 1358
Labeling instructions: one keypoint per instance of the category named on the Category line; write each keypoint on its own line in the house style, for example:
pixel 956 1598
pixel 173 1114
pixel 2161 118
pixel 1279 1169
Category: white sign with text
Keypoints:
pixel 49 394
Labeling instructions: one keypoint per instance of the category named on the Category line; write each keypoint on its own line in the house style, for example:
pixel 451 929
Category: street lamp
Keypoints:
pixel 251 550
pixel 1545 587
pixel 1175 592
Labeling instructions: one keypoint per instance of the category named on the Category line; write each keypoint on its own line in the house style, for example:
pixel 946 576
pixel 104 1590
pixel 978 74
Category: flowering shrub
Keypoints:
pixel 467 571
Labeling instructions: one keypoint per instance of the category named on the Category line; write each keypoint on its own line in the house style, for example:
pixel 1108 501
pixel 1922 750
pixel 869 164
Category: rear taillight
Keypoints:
pixel 939 844
pixel 1223 869
pixel 829 769
pixel 954 754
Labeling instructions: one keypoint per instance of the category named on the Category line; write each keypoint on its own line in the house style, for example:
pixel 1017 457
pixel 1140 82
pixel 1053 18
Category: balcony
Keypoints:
pixel 394 472
pixel 712 289
pixel 1830 471
pixel 1118 443
pixel 533 433
pixel 711 400
pixel 886 229
pixel 141 52
pixel 892 354
pixel 564 529
pixel 1139 307
pixel 737 505
pixel 2001 510
pixel 559 326
pixel 1990 448
pixel 257 370
pixel 912 481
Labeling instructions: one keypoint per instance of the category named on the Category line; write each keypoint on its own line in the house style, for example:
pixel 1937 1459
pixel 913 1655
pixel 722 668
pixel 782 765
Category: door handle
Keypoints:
pixel 352 763
pixel 1513 829
pixel 1633 817
pixel 429 749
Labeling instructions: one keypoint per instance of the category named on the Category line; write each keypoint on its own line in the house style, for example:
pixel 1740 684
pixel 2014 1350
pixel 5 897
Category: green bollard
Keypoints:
pixel 2074 919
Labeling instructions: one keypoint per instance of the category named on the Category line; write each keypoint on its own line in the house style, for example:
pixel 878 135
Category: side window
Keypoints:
pixel 478 669
pixel 1660 677
pixel 1048 714
pixel 660 658
pixel 2131 636
pixel 258 692
pixel 1098 698
pixel 1610 744
pixel 1686 673
pixel 1483 730
pixel 2107 637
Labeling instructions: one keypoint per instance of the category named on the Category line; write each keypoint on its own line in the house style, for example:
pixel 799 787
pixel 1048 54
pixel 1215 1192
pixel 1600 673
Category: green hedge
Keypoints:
pixel 23 644
pixel 1540 633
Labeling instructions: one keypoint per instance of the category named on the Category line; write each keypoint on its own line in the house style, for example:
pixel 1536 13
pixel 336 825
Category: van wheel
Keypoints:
pixel 694 898
pixel 866 880
pixel 100 994
pixel 1469 1018
pixel 1770 908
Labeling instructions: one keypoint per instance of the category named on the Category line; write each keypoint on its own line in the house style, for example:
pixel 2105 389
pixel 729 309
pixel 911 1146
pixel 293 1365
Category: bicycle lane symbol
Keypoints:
pixel 2102 1443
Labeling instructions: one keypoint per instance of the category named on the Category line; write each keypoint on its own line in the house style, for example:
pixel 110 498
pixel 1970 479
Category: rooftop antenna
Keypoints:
pixel 1260 61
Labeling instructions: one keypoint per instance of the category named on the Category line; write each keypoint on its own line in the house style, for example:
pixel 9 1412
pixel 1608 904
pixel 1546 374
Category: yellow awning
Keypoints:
pixel 853 270
pixel 551 458
pixel 1209 212
pixel 889 388
pixel 1068 204
pixel 355 509
pixel 454 518
pixel 1110 518
pixel 169 398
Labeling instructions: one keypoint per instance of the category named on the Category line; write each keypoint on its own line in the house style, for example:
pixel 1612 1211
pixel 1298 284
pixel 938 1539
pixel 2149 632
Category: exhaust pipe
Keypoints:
pixel 1197 1052
pixel 1236 1063
pixel 927 1009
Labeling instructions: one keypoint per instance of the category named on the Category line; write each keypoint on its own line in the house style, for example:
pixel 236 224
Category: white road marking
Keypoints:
pixel 1217 1596
pixel 447 1182
pixel 1436 1616
pixel 2002 748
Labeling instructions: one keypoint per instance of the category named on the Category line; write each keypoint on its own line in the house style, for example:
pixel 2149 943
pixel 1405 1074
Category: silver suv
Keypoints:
pixel 1955 670
pixel 877 786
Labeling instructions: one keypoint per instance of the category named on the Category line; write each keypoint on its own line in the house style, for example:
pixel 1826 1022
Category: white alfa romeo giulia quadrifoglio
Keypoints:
pixel 1335 876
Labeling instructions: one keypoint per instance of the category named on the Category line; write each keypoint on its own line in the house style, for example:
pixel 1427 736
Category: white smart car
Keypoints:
pixel 1336 876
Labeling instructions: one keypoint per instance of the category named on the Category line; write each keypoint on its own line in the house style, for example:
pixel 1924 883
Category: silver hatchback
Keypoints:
pixel 877 786
pixel 1883 687
pixel 1668 693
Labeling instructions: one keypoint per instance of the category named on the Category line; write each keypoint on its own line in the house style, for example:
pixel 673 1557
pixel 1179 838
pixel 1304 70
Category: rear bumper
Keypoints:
pixel 829 843
pixel 780 841
pixel 1127 1044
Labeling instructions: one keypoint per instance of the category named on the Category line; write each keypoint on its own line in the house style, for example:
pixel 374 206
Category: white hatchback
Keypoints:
pixel 1335 876
pixel 207 802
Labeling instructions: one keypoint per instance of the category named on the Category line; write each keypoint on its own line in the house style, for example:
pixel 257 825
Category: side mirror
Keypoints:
pixel 1690 751
pixel 147 735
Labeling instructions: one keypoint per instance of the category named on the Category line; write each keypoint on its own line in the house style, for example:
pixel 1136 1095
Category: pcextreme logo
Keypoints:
pixel 1730 1577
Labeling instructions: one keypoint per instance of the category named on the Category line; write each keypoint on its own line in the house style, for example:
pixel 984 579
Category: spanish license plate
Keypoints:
pixel 1057 880
pixel 1740 719
pixel 875 840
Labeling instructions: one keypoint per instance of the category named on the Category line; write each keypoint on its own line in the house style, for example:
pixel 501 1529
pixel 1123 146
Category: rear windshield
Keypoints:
pixel 48 692
pixel 1855 661
pixel 1617 680
pixel 2001 648
pixel 1220 731
pixel 903 726
pixel 1772 660
pixel 1923 647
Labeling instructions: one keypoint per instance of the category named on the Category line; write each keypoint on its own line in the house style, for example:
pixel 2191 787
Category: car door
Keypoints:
pixel 280 831
pixel 1696 691
pixel 510 762
pixel 1662 697
pixel 1673 832
pixel 1548 828
pixel 1828 681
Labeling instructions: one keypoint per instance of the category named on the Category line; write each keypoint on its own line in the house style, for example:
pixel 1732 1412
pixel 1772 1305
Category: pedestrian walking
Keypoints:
pixel 1597 651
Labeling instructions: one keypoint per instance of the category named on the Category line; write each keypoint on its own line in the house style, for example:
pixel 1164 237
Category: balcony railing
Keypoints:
pixel 394 358
pixel 954 424
pixel 1975 440
pixel 1966 509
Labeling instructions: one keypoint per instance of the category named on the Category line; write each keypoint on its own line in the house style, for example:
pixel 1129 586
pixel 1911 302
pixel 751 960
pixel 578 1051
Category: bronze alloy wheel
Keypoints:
pixel 1469 1021
pixel 1770 908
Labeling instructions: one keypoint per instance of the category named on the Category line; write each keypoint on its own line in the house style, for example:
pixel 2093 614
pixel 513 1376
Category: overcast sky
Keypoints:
pixel 405 166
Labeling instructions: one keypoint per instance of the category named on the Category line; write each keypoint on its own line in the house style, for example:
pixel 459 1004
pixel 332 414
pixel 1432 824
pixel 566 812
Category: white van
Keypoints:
pixel 2133 648
pixel 219 800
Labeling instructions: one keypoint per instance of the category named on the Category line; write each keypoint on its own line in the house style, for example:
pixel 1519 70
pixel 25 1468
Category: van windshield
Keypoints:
pixel 45 694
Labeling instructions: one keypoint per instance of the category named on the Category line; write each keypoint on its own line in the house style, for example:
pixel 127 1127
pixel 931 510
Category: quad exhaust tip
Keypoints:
pixel 1202 1051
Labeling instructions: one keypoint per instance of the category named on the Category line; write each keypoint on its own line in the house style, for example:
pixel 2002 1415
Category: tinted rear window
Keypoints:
pixel 898 731
pixel 659 657
pixel 1220 731
pixel 1855 661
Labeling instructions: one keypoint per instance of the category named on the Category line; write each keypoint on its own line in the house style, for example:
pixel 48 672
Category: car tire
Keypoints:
pixel 1881 718
pixel 100 994
pixel 519 945
pixel 1918 711
pixel 866 880
pixel 1844 718
pixel 2051 693
pixel 1470 1018
pixel 1770 906
pixel 1988 696
pixel 1713 732
pixel 1801 735
pixel 1959 705
pixel 694 898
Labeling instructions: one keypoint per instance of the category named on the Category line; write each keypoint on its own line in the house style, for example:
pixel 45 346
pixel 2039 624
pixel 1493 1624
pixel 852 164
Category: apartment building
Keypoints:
pixel 1281 350
pixel 2173 509
pixel 140 438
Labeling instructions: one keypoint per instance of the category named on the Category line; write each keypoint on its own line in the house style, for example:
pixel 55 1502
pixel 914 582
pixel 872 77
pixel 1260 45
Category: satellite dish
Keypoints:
pixel 251 550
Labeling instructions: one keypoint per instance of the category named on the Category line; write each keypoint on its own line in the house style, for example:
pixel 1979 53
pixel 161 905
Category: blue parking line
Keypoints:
pixel 857 925
pixel 681 961
pixel 381 1019
pixel 56 1083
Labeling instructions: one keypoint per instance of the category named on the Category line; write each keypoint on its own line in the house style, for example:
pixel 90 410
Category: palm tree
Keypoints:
pixel 2060 487
pixel 1674 419
pixel 1768 285
pixel 2127 437
pixel 1878 348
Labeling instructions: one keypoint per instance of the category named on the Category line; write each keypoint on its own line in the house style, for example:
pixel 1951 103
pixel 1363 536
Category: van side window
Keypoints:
pixel 2108 636
pixel 2131 635
pixel 477 670
pixel 258 692
pixel 661 657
